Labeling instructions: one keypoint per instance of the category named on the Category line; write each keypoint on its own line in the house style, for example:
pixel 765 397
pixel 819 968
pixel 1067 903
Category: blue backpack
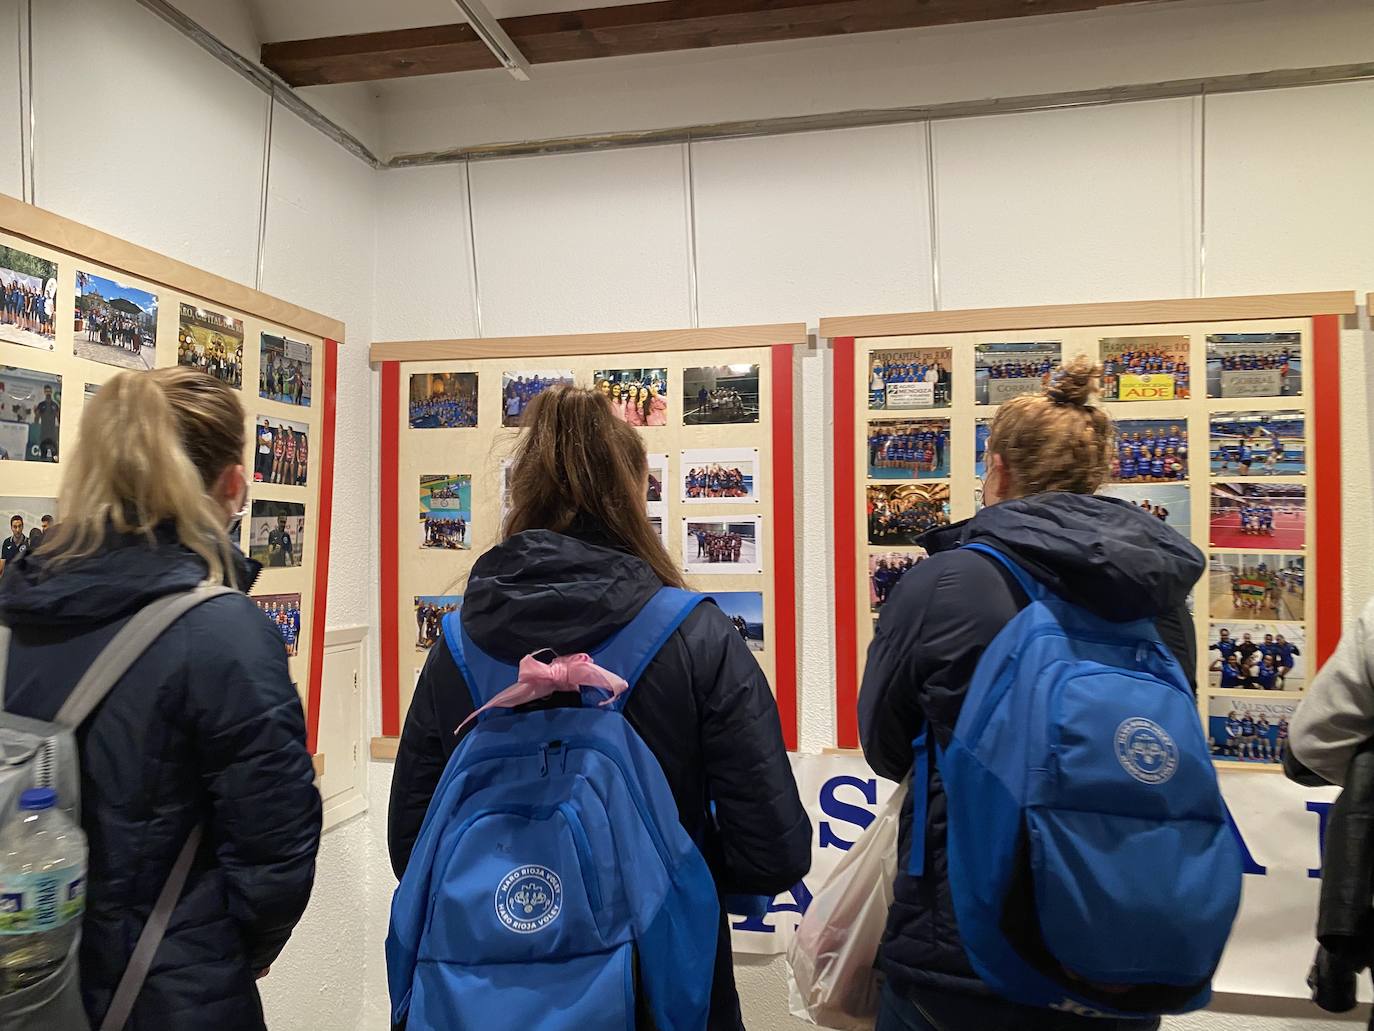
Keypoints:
pixel 553 885
pixel 1091 861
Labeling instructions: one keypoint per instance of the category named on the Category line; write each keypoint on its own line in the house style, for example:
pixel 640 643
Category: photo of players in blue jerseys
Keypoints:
pixel 518 389
pixel 898 515
pixel 908 449
pixel 1243 730
pixel 885 569
pixel 30 415
pixel 430 610
pixel 910 378
pixel 1258 444
pixel 284 612
pixel 1257 586
pixel 446 511
pixel 744 609
pixel 1257 656
pixel 715 395
pixel 1169 503
pixel 1145 368
pixel 720 475
pixel 1151 451
pixel 981 429
pixel 443 400
pixel 1004 371
pixel 1259 515
pixel 1254 365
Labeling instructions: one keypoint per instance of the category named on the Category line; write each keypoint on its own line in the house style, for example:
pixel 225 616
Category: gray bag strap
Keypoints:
pixel 4 661
pixel 133 639
pixel 151 937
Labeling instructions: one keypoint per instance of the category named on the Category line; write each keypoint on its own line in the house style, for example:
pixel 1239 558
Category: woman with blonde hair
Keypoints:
pixel 204 730
pixel 578 561
pixel 1047 455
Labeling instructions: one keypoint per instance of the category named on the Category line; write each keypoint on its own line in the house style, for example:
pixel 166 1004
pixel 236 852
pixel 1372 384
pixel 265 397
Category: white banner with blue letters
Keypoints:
pixel 1279 825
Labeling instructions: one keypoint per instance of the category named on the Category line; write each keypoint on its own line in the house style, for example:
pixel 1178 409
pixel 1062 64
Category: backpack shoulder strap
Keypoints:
pixel 486 677
pixel 630 649
pixel 1035 590
pixel 132 640
pixel 4 660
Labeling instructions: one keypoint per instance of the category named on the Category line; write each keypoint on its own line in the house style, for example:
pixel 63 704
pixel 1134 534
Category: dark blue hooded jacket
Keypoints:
pixel 1108 556
pixel 206 728
pixel 703 707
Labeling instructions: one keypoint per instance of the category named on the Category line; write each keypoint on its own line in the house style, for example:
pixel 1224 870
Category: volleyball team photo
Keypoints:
pixel 283 611
pixel 1243 730
pixel 212 343
pixel 908 449
pixel 518 389
pixel 1254 656
pixel 720 475
pixel 446 512
pixel 28 299
pixel 898 515
pixel 721 547
pixel 1257 586
pixel 1004 371
pixel 430 610
pixel 1254 365
pixel 30 415
pixel 744 610
pixel 885 569
pixel 1150 451
pixel 1259 515
pixel 284 370
pixel 910 378
pixel 1145 368
pixel 1170 503
pixel 638 397
pixel 276 534
pixel 720 394
pixel 443 400
pixel 115 324
pixel 1247 444
pixel 281 452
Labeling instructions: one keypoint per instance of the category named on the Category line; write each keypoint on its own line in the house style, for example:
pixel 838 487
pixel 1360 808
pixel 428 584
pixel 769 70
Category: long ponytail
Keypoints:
pixel 152 444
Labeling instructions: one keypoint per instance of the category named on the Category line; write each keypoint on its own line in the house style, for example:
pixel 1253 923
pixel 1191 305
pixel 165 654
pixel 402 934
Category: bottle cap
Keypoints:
pixel 37 799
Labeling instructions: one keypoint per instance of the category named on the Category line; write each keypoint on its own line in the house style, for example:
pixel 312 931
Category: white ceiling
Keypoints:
pixel 277 20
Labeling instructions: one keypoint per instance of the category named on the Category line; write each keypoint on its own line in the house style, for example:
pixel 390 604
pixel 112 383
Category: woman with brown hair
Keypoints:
pixel 1047 454
pixel 578 560
pixel 204 730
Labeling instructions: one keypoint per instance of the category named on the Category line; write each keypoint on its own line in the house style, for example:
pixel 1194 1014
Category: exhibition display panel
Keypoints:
pixel 1227 417
pixel 78 307
pixel 715 409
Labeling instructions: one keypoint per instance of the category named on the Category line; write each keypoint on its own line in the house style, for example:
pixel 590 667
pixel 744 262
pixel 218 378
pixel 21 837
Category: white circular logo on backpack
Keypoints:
pixel 1146 751
pixel 529 898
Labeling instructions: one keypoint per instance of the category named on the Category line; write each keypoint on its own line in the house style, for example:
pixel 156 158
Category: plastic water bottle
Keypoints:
pixel 42 889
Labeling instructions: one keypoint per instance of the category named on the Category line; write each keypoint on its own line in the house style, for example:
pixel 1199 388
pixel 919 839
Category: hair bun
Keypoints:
pixel 1075 383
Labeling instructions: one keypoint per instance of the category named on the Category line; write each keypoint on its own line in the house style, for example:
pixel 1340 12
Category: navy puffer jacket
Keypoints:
pixel 703 707
pixel 1108 556
pixel 206 728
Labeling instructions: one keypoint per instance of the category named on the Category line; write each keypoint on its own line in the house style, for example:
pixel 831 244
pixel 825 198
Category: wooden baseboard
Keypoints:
pixel 384 748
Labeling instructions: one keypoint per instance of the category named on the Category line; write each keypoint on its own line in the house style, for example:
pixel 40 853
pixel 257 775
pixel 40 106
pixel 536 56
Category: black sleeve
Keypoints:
pixel 934 628
pixel 265 811
pixel 765 834
pixel 1179 634
pixel 422 755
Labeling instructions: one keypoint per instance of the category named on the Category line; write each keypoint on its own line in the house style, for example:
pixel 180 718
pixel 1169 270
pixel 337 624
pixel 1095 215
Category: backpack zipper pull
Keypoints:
pixel 543 760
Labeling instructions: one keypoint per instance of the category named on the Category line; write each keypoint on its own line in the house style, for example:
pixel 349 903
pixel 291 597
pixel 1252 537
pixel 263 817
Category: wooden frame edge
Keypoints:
pixel 384 749
pixel 1116 313
pixel 589 343
pixel 81 241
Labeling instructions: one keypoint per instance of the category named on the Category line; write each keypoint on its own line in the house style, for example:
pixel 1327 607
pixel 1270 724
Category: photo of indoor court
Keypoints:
pixel 1257 587
pixel 1248 515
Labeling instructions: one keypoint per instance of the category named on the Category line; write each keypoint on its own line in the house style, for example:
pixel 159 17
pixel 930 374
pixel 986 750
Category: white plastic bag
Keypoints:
pixel 831 979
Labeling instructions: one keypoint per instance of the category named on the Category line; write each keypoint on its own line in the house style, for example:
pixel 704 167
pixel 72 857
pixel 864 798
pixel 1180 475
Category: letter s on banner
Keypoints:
pixel 836 809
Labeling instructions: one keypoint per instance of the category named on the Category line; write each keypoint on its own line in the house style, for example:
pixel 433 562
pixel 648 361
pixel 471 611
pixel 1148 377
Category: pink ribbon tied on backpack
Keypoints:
pixel 537 679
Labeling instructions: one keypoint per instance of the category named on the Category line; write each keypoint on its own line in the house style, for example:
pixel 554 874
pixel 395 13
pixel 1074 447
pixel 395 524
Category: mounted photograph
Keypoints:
pixel 446 511
pixel 518 389
pixel 722 547
pixel 28 299
pixel 1254 365
pixel 898 515
pixel 443 400
pixel 1259 443
pixel 1004 371
pixel 638 396
pixel 908 449
pixel 744 609
pixel 1257 586
pixel 1259 515
pixel 276 534
pixel 910 378
pixel 30 415
pixel 284 370
pixel 212 343
pixel 115 324
pixel 727 475
pixel 1150 451
pixel 1145 368
pixel 720 394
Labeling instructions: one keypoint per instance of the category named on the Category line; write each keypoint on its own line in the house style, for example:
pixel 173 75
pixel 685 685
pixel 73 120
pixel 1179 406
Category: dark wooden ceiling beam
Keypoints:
pixel 644 28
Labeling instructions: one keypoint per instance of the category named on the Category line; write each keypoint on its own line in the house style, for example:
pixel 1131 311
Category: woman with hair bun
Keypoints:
pixel 1047 454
